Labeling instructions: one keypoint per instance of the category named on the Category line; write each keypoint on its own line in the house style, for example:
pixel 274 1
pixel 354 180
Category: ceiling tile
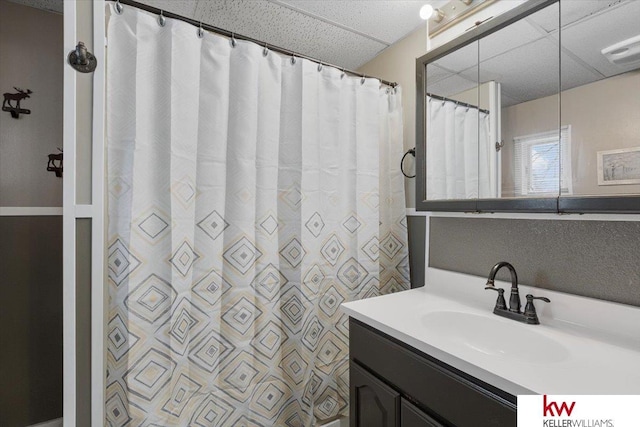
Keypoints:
pixel 510 37
pixel 526 73
pixel 281 26
pixel 185 8
pixel 547 19
pixel 435 73
pixel 461 59
pixel 451 86
pixel 571 11
pixel 387 21
pixel 587 38
pixel 574 74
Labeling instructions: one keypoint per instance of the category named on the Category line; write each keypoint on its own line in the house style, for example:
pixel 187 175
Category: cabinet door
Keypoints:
pixel 411 416
pixel 373 403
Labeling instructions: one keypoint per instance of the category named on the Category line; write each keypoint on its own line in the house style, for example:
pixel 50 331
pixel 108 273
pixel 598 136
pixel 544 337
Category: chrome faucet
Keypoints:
pixel 529 315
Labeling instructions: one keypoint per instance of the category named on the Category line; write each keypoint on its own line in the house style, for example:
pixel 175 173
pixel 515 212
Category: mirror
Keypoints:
pixel 520 64
pixel 601 96
pixel 552 88
pixel 453 118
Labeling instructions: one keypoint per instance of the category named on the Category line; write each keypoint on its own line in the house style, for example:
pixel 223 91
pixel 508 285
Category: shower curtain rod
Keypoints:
pixel 463 104
pixel 237 36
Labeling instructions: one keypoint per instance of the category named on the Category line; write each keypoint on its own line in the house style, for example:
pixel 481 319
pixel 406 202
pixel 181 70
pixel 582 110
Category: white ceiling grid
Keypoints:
pixel 349 33
pixel 521 57
pixel 278 25
pixel 346 33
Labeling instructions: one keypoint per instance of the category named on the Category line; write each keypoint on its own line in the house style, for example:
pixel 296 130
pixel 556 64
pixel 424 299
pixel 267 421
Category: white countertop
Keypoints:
pixel 593 346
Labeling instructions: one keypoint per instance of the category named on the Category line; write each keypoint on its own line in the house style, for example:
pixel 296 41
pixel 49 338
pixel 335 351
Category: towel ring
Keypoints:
pixel 411 151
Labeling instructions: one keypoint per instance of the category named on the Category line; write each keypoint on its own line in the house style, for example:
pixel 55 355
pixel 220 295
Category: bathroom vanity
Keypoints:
pixel 438 356
pixel 393 385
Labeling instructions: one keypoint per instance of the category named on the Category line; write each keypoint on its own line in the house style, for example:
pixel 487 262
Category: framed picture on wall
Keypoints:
pixel 619 167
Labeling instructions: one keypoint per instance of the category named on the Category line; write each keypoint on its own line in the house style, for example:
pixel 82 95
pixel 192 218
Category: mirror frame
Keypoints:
pixel 559 204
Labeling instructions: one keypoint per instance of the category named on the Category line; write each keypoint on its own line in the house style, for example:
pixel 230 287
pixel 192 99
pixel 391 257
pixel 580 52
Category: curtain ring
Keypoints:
pixel 362 80
pixel 320 66
pixel 119 7
pixel 293 59
pixel 200 31
pixel 388 91
pixel 342 74
pixel 162 21
pixel 265 51
pixel 233 40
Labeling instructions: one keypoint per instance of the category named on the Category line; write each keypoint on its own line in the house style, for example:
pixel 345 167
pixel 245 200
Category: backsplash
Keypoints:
pixel 597 259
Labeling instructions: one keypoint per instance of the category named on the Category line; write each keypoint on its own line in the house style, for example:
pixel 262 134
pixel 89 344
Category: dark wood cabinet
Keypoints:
pixel 372 402
pixel 393 384
pixel 412 416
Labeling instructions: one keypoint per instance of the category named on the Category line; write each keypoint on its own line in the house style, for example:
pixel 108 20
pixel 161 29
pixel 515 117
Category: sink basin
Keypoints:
pixel 494 337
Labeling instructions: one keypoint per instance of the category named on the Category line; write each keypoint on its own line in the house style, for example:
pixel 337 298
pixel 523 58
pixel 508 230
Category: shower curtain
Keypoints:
pixel 458 153
pixel 250 194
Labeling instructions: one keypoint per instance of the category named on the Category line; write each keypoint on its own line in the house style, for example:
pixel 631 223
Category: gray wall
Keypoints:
pixel 416 227
pixel 31 319
pixel 30 58
pixel 83 316
pixel 598 259
pixel 30 247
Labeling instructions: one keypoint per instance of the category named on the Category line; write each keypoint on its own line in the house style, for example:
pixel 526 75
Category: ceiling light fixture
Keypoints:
pixel 439 15
pixel 426 11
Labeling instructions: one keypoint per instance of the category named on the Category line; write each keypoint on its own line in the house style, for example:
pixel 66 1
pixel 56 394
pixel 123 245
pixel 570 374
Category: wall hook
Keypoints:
pixel 15 109
pixel 499 145
pixel 82 60
pixel 55 163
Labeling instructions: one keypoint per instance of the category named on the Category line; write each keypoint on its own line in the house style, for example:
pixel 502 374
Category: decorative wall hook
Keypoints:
pixel 82 60
pixel 55 163
pixel 499 145
pixel 15 109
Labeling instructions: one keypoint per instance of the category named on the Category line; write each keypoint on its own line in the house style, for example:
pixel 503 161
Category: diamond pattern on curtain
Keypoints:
pixel 248 198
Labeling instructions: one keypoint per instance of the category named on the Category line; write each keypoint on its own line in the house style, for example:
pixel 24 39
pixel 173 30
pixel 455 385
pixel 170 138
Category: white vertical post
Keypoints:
pixel 69 222
pixel 98 298
pixel 428 38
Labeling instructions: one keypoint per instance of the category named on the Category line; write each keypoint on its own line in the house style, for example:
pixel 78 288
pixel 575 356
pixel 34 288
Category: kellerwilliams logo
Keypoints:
pixel 578 411
pixel 548 408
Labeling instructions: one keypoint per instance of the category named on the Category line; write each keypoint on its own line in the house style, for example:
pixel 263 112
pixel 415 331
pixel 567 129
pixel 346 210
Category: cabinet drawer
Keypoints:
pixel 461 401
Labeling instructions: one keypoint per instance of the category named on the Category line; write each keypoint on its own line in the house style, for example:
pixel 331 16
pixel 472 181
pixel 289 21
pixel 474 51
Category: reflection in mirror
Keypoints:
pixel 453 117
pixel 520 63
pixel 601 95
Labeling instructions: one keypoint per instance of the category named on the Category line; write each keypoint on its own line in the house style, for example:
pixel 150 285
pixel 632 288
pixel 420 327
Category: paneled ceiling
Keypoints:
pixel 347 33
pixel 523 57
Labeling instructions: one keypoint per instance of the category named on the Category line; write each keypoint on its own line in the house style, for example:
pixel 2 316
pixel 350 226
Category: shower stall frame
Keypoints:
pixel 84 21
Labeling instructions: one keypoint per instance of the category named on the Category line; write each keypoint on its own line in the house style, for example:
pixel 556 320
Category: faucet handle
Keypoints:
pixel 530 298
pixel 501 304
pixel 530 309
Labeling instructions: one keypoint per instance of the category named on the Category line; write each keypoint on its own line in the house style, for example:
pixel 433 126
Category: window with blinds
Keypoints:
pixel 542 163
